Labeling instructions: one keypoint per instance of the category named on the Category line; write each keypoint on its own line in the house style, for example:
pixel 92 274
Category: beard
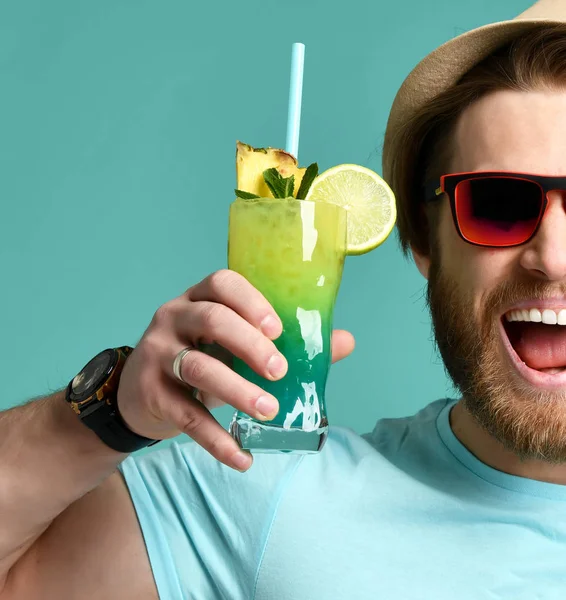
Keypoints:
pixel 527 421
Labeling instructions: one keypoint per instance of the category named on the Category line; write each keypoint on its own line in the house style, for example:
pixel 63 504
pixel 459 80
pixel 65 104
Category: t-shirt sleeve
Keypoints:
pixel 205 525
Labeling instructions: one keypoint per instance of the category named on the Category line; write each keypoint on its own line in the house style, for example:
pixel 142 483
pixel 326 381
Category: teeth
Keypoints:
pixel 549 317
pixel 535 315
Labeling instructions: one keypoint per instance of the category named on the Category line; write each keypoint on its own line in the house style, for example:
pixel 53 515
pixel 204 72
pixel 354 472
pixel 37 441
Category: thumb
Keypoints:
pixel 343 344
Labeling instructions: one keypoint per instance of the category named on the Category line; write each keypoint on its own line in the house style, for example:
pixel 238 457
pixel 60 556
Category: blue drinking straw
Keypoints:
pixel 295 97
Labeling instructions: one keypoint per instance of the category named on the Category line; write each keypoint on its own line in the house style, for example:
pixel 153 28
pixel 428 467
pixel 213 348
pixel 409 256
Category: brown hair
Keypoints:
pixel 536 60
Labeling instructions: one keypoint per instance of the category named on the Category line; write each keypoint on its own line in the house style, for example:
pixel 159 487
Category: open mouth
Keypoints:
pixel 536 341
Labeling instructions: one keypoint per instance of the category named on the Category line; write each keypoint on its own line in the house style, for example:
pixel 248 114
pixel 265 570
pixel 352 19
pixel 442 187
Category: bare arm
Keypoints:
pixel 67 525
pixel 93 551
pixel 60 505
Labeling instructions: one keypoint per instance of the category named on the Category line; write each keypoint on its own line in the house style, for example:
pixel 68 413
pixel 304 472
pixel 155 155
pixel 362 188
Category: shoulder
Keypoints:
pixel 185 465
pixel 198 515
pixel 182 468
pixel 346 445
pixel 394 431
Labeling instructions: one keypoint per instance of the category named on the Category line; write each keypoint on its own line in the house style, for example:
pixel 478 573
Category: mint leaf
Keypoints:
pixel 308 178
pixel 245 195
pixel 280 186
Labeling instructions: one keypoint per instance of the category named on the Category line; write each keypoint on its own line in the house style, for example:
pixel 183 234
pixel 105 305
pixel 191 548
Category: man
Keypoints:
pixel 463 500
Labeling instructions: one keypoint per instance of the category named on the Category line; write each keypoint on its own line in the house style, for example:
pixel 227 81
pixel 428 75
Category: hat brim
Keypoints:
pixel 442 68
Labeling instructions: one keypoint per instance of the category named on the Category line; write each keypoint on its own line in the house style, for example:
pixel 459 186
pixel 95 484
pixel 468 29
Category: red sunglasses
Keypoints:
pixel 495 208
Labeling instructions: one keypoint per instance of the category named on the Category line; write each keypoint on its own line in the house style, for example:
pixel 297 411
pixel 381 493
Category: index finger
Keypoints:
pixel 235 291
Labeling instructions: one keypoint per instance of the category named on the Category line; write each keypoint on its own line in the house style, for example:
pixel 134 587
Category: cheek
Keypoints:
pixel 455 252
pixel 474 269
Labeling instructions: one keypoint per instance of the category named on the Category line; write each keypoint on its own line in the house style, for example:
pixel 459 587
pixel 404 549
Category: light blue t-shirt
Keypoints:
pixel 403 513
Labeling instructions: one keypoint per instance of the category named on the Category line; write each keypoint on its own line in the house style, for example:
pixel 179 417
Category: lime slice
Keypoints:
pixel 367 198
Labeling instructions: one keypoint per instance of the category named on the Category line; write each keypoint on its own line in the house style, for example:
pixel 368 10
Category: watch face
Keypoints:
pixel 95 372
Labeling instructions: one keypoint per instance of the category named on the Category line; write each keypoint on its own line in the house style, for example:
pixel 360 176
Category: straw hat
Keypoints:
pixel 443 67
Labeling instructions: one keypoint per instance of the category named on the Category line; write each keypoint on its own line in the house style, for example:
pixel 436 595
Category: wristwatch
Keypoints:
pixel 93 396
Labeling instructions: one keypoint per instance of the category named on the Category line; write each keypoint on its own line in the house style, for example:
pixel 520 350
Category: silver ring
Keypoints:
pixel 177 363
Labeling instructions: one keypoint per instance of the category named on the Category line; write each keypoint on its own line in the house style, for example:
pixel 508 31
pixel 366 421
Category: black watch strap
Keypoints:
pixel 113 431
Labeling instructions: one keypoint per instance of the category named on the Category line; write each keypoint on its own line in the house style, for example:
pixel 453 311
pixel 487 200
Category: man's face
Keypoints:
pixel 472 288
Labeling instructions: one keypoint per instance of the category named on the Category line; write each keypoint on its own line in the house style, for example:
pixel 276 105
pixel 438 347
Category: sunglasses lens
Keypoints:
pixel 498 211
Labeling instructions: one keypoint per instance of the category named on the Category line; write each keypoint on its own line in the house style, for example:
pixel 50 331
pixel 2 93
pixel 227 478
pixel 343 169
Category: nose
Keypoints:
pixel 545 255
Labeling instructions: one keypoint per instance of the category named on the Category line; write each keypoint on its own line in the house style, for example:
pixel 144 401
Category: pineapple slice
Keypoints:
pixel 252 162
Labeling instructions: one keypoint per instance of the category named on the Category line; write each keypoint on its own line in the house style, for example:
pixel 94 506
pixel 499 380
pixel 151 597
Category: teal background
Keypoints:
pixel 118 124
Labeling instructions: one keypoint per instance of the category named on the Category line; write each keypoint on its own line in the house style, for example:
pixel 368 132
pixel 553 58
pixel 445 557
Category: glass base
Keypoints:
pixel 268 438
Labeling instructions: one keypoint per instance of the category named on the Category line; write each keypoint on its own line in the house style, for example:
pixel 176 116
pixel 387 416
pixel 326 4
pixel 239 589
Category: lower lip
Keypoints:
pixel 536 378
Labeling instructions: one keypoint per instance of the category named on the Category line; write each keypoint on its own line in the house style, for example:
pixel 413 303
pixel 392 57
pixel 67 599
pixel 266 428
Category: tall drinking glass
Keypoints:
pixel 293 252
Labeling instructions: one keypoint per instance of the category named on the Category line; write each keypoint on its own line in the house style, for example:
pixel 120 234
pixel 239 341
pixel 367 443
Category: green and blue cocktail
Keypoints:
pixel 290 230
pixel 293 252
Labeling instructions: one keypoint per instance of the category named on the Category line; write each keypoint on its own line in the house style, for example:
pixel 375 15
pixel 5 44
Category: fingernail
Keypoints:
pixel 242 461
pixel 276 366
pixel 271 327
pixel 267 406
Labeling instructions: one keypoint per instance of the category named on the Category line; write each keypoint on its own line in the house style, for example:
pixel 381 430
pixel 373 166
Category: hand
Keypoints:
pixel 225 311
